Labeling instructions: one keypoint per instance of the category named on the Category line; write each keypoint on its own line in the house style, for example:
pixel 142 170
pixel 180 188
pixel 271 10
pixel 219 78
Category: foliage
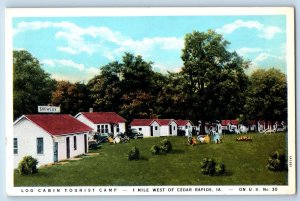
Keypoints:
pixel 210 167
pixel 28 165
pixel 32 86
pixel 72 98
pixel 154 150
pixel 165 146
pixel 94 146
pixel 215 78
pixel 220 168
pixel 134 154
pixel 267 95
pixel 277 161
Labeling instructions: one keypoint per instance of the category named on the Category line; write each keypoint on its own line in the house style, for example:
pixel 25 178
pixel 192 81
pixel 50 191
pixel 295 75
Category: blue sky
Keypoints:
pixel 74 48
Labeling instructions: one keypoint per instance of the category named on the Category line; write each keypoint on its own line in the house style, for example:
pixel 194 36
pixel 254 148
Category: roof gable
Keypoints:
pixel 181 122
pixel 103 117
pixel 142 122
pixel 165 122
pixel 58 124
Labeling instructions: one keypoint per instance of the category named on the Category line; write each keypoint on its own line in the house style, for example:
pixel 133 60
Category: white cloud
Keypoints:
pixel 164 69
pixel 267 32
pixel 93 39
pixel 246 50
pixel 262 57
pixel 84 73
pixel 67 50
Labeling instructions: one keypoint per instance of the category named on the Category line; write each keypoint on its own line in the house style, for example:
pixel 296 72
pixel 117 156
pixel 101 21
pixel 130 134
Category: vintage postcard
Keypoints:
pixel 150 101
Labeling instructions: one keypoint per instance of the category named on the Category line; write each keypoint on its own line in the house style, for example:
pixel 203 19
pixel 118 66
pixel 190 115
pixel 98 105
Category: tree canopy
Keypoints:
pixel 215 78
pixel 32 86
pixel 267 95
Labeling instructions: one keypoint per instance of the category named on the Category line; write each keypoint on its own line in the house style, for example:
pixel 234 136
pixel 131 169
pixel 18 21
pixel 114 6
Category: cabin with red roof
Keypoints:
pixel 168 127
pixel 148 127
pixel 155 127
pixel 49 138
pixel 103 122
pixel 184 124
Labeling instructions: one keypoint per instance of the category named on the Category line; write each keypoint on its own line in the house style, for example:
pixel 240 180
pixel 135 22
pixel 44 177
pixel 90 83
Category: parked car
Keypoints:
pixel 133 133
pixel 101 137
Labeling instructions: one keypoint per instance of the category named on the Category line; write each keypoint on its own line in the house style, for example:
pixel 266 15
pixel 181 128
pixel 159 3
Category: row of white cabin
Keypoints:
pixel 54 137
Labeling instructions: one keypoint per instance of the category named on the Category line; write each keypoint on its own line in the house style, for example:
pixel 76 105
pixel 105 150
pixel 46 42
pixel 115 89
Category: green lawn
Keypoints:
pixel 245 165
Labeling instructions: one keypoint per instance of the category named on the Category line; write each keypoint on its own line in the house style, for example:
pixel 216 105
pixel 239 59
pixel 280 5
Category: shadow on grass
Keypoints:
pixel 177 151
pixel 143 158
pixel 226 173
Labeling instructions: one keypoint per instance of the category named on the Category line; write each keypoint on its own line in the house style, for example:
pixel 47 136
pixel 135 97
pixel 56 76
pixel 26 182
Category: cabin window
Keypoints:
pixel 186 126
pixel 40 145
pixel 156 128
pixel 75 142
pixel 15 145
pixel 140 129
pixel 117 128
pixel 174 128
pixel 104 128
pixel 98 128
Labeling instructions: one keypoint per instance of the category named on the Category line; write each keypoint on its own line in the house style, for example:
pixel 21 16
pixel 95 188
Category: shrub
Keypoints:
pixel 277 161
pixel 220 168
pixel 210 167
pixel 94 146
pixel 166 146
pixel 154 150
pixel 28 165
pixel 134 154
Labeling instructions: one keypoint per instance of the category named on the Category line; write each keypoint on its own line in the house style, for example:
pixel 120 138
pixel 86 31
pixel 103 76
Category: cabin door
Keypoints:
pixel 85 144
pixel 151 131
pixel 170 129
pixel 55 153
pixel 68 147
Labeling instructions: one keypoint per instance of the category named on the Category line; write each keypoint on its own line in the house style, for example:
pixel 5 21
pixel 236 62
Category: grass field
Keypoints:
pixel 245 165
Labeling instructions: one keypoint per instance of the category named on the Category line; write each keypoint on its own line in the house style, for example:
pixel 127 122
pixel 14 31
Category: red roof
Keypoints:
pixel 103 117
pixel 58 124
pixel 141 122
pixel 226 122
pixel 164 122
pixel 181 122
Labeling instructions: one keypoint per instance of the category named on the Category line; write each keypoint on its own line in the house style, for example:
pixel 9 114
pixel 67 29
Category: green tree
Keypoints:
pixel 72 98
pixel 267 95
pixel 215 78
pixel 32 86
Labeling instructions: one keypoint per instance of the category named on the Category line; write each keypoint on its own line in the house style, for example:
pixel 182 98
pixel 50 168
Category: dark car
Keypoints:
pixel 133 133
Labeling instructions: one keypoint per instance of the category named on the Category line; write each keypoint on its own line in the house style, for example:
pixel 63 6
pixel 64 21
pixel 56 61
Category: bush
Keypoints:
pixel 28 165
pixel 277 161
pixel 94 146
pixel 210 167
pixel 134 154
pixel 154 150
pixel 166 146
pixel 220 168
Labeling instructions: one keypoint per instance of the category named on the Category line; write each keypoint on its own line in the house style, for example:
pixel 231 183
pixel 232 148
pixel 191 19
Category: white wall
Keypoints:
pixel 146 130
pixel 164 130
pixel 62 146
pixel 27 133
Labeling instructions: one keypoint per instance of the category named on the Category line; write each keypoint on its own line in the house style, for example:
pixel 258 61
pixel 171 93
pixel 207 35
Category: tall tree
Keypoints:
pixel 72 98
pixel 214 77
pixel 267 95
pixel 32 86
